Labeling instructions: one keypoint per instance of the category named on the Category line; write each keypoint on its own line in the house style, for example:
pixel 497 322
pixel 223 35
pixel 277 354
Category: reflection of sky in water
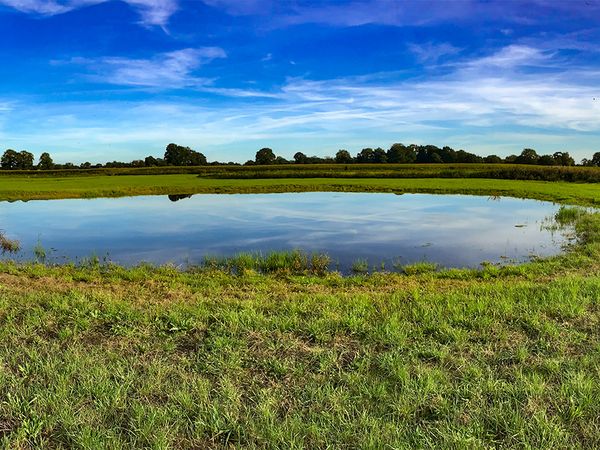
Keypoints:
pixel 452 230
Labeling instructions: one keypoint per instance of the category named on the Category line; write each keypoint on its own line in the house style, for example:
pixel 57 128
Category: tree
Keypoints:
pixel 546 160
pixel 150 161
pixel 527 156
pixel 563 159
pixel 466 157
pixel 343 157
pixel 9 160
pixel 595 161
pixel 300 158
pixel 45 162
pixel 365 155
pixel 423 156
pixel 176 155
pixel 265 156
pixel 492 159
pixel 25 160
pixel 399 153
pixel 379 155
pixel 436 158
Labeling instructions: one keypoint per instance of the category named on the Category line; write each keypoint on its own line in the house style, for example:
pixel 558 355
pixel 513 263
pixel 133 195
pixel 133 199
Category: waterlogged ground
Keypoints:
pixel 451 230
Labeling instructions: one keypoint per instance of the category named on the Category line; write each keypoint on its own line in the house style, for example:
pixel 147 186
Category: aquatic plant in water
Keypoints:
pixel 9 245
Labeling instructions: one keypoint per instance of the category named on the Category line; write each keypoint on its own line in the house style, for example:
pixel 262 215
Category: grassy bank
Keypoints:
pixel 14 188
pixel 105 357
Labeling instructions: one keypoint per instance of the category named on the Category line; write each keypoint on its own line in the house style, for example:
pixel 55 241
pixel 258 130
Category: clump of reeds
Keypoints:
pixel 293 262
pixel 9 245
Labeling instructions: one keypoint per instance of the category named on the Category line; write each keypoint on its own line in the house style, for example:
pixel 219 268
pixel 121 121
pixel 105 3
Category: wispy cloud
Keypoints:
pixel 152 12
pixel 431 52
pixel 171 70
pixel 400 13
pixel 513 56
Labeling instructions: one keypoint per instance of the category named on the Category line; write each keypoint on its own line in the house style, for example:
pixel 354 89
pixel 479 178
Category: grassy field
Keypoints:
pixel 99 356
pixel 14 188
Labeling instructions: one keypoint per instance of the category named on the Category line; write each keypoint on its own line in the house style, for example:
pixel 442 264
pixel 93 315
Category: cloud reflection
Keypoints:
pixel 452 230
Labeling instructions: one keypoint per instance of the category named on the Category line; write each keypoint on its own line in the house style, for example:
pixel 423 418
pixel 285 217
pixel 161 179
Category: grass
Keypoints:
pixel 275 351
pixel 14 188
pixel 295 262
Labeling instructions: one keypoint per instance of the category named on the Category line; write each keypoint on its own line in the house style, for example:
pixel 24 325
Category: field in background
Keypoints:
pixel 496 171
pixel 14 188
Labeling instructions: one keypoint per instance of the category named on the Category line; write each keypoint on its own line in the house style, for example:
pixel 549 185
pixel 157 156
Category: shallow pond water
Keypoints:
pixel 451 230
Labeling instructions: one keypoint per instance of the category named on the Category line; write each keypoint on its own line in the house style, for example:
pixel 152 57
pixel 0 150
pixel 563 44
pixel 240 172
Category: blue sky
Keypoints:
pixel 99 80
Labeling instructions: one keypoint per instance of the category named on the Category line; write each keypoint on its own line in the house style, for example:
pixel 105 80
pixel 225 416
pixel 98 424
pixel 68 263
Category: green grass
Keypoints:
pixel 13 188
pixel 248 352
pixel 295 262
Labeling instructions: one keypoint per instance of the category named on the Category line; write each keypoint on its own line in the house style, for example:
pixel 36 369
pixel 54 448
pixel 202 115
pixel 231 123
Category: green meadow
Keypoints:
pixel 277 353
pixel 18 187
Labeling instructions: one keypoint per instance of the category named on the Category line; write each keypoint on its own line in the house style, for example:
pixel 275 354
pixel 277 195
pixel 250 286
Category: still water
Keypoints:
pixel 451 230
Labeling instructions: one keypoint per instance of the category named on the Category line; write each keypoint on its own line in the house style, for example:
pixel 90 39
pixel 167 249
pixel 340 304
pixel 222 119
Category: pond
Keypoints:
pixel 451 230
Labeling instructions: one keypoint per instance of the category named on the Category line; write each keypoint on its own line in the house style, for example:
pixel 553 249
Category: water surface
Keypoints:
pixel 452 230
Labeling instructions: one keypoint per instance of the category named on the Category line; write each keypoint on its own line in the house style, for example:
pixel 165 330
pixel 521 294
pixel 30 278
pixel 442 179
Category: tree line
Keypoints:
pixel 177 155
pixel 422 154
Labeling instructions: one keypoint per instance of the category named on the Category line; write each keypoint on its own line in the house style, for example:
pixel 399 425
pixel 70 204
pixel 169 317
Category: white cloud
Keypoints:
pixel 152 12
pixel 171 70
pixel 513 56
pixel 431 52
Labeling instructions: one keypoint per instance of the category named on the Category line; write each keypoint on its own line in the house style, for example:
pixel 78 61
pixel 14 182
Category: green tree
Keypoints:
pixel 527 156
pixel 563 159
pixel 379 155
pixel 492 159
pixel 25 160
pixel 423 156
pixel 176 155
pixel 265 156
pixel 595 161
pixel 546 160
pixel 300 158
pixel 466 157
pixel 150 161
pixel 399 153
pixel 366 155
pixel 9 160
pixel 45 162
pixel 343 157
